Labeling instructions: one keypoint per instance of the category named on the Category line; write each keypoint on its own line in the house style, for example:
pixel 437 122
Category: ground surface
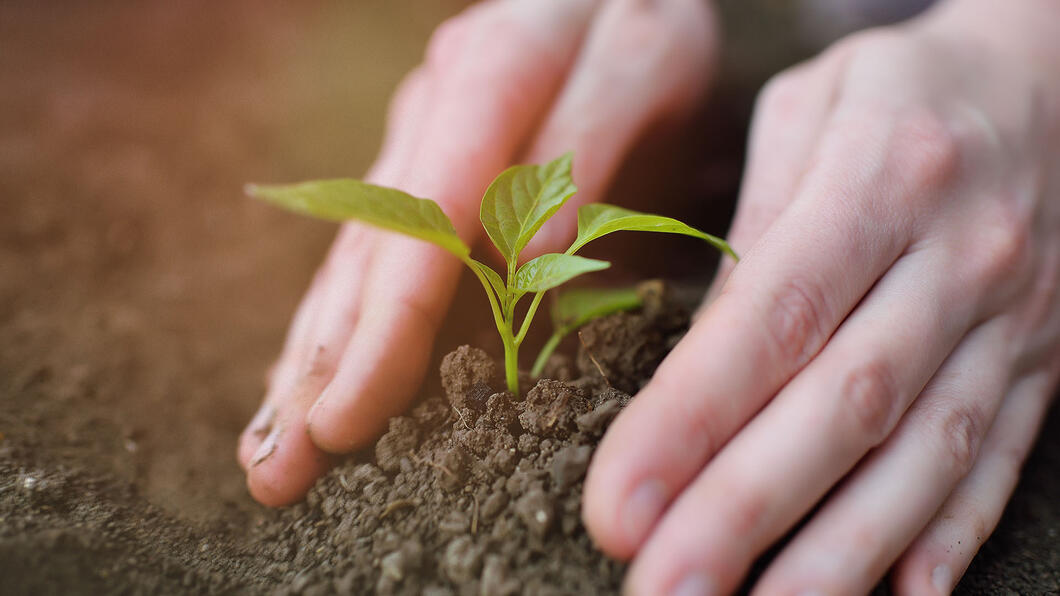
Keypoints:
pixel 141 296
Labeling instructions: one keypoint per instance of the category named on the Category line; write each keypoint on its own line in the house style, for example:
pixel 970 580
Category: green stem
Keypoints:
pixel 504 327
pixel 511 363
pixel 547 350
pixel 511 345
pixel 530 312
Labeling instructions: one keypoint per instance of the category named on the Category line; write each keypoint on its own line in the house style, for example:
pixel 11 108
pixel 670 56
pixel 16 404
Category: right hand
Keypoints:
pixel 507 81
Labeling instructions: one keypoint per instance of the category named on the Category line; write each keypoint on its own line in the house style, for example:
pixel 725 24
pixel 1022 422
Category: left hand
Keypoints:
pixel 888 345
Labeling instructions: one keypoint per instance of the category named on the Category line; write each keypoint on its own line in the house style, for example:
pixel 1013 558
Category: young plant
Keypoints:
pixel 575 308
pixel 516 204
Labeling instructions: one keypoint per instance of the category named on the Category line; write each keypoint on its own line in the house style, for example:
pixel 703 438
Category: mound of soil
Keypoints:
pixel 478 492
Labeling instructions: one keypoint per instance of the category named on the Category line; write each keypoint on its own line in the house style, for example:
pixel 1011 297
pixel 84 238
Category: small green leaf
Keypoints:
pixel 553 269
pixel 521 199
pixel 492 276
pixel 574 308
pixel 596 220
pixel 388 208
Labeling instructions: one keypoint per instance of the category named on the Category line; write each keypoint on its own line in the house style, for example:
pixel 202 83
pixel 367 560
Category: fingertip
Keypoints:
pixel 597 515
pixel 620 510
pixel 284 468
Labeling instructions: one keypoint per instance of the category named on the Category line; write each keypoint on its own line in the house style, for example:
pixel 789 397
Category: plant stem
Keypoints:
pixel 504 327
pixel 511 362
pixel 530 312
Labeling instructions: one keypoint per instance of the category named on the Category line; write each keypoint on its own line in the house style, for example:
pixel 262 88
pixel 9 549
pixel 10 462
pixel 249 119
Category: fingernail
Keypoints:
pixel 267 447
pixel 942 579
pixel 696 583
pixel 644 506
pixel 261 423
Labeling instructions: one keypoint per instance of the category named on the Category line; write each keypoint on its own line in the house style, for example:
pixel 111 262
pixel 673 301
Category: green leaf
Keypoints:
pixel 388 208
pixel 521 199
pixel 493 277
pixel 574 308
pixel 550 270
pixel 596 220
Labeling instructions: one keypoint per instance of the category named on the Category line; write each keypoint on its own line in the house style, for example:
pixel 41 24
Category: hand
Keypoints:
pixel 887 346
pixel 507 81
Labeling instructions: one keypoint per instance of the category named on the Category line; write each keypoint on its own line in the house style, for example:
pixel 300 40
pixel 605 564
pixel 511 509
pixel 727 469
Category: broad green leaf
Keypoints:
pixel 550 270
pixel 521 199
pixel 577 307
pixel 492 276
pixel 388 208
pixel 596 220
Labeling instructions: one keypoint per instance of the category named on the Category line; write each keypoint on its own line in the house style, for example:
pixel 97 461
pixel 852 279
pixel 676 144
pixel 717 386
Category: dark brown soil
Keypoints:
pixel 142 297
pixel 477 494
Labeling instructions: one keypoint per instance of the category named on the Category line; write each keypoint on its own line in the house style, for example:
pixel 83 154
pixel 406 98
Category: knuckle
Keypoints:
pixel 867 536
pixel 796 324
pixel 700 425
pixel 1004 245
pixel 923 150
pixel 961 429
pixel 869 398
pixel 1012 453
pixel 747 511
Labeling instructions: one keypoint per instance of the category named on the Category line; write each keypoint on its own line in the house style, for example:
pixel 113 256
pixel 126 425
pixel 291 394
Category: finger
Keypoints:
pixel 496 68
pixel 788 120
pixel 851 395
pixel 848 224
pixel 520 54
pixel 286 463
pixel 388 355
pixel 282 375
pixel 329 307
pixel 942 552
pixel 274 475
pixel 408 111
pixel 864 526
pixel 641 62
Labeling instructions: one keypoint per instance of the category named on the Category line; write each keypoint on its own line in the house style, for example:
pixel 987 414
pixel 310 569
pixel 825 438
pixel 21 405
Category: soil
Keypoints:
pixel 142 297
pixel 475 493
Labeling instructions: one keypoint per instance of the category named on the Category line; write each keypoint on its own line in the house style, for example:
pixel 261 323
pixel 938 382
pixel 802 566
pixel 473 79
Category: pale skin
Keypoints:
pixel 888 342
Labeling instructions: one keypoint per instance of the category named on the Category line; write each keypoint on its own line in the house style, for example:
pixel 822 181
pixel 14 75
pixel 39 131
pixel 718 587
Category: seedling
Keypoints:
pixel 516 204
